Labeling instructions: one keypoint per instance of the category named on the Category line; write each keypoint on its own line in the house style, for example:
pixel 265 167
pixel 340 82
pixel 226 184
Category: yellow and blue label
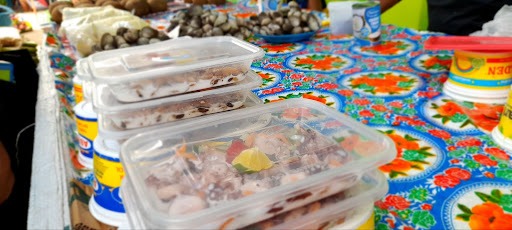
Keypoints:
pixel 481 70
pixel 505 124
pixel 87 132
pixel 108 174
pixel 79 93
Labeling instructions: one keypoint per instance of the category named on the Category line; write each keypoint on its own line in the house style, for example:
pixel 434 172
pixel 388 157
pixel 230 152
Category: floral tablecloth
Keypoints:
pixel 449 173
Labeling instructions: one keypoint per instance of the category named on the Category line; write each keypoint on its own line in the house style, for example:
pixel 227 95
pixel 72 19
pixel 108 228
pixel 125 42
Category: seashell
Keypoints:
pixel 123 45
pixel 297 14
pixel 278 21
pixel 306 29
pixel 195 23
pixel 153 40
pixel 216 31
pixel 294 21
pixel 208 34
pixel 148 32
pixel 304 17
pixel 296 30
pixel 109 47
pixel 239 36
pixel 313 24
pixel 119 40
pixel 143 41
pixel 198 33
pixel 273 26
pixel 240 22
pixel 265 29
pixel 195 10
pixel 107 39
pixel 121 30
pixel 207 27
pixel 255 28
pixel 265 21
pixel 290 12
pixel 221 19
pixel 287 28
pixel 225 27
pixel 212 18
pixel 293 4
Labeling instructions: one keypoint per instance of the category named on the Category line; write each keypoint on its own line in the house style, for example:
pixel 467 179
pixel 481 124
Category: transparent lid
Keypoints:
pixel 104 102
pixel 237 161
pixel 252 100
pixel 82 69
pixel 169 57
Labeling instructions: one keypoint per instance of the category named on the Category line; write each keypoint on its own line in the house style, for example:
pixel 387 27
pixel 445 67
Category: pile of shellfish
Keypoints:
pixel 199 22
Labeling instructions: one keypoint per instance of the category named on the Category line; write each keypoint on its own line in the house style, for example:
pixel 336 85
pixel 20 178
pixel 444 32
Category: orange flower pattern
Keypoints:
pixel 492 214
pixel 266 77
pixel 437 62
pixel 484 116
pixel 387 48
pixel 279 48
pixel 410 155
pixel 450 111
pixel 321 62
pixel 383 83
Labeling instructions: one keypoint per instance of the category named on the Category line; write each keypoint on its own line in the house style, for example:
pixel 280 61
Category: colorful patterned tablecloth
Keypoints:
pixel 449 173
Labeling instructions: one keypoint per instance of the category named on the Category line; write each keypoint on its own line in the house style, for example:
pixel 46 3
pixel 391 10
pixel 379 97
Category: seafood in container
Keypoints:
pixel 113 115
pixel 230 170
pixel 339 211
pixel 170 68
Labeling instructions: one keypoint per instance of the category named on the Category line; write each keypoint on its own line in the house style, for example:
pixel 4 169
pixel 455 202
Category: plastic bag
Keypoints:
pixel 500 26
pixel 75 17
pixel 85 36
pixel 83 32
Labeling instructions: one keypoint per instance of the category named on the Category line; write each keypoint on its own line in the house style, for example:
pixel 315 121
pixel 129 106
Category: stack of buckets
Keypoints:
pixel 484 77
pixel 99 152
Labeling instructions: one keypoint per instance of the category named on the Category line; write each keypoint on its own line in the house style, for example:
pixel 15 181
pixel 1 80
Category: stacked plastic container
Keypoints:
pixel 140 89
pixel 292 164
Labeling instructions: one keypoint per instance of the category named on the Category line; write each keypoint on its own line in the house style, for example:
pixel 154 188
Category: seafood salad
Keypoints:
pixel 205 174
pixel 301 212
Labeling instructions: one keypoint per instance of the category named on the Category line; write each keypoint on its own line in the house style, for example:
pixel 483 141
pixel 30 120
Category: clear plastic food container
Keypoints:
pixel 169 68
pixel 113 115
pixel 354 205
pixel 230 170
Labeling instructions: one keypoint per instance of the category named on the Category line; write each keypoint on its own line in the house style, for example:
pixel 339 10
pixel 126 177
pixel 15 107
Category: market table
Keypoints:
pixel 448 174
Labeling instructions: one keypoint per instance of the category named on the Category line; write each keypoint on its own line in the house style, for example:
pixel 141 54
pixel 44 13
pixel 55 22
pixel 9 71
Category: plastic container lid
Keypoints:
pixel 252 100
pixel 84 110
pixel 474 95
pixel 168 57
pixel 233 169
pixel 502 141
pixel 106 103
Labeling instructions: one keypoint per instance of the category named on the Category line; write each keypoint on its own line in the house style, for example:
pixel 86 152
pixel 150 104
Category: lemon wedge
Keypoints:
pixel 251 160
